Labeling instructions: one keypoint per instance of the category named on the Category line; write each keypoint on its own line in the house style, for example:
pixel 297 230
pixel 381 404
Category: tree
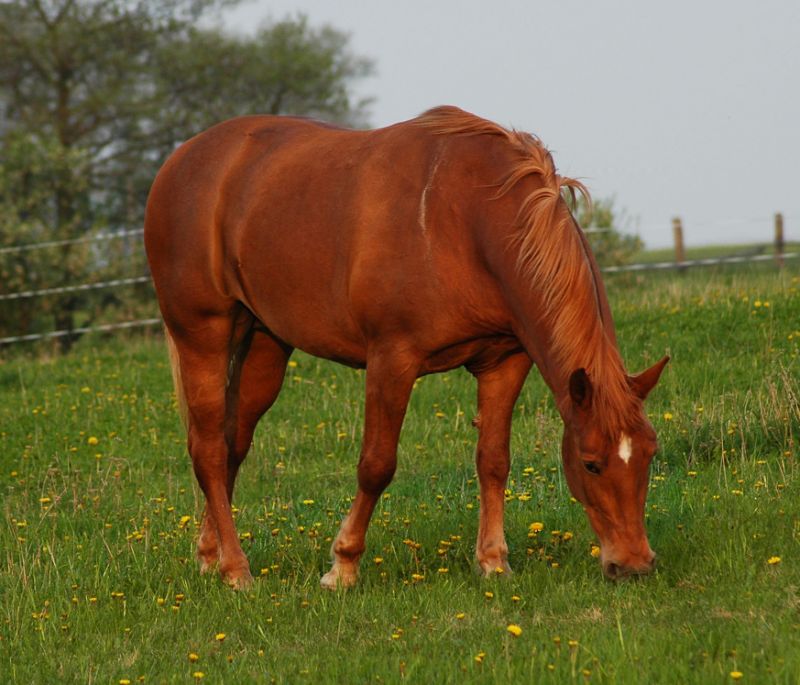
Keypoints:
pixel 286 68
pixel 94 94
pixel 604 230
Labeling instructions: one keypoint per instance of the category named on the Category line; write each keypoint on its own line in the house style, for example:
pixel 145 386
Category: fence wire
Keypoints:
pixel 13 249
pixel 80 331
pixel 25 294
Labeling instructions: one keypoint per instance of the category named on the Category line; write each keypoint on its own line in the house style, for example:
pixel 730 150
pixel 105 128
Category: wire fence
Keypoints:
pixel 136 280
pixel 27 294
pixel 14 249
pixel 686 263
pixel 80 331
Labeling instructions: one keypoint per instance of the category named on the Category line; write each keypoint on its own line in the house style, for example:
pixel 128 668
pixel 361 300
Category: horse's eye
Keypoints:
pixel 592 467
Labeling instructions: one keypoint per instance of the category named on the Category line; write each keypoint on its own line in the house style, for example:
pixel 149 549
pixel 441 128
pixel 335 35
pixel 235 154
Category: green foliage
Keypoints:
pixel 100 516
pixel 604 227
pixel 286 68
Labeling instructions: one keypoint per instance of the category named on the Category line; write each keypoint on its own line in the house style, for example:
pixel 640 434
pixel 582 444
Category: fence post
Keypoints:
pixel 779 244
pixel 677 232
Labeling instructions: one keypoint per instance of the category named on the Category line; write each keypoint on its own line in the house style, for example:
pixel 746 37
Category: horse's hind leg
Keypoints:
pixel 498 389
pixel 205 345
pixel 390 377
pixel 259 365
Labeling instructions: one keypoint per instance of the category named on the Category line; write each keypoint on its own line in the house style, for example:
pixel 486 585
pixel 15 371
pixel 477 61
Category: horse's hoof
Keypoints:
pixel 494 569
pixel 207 565
pixel 238 580
pixel 336 578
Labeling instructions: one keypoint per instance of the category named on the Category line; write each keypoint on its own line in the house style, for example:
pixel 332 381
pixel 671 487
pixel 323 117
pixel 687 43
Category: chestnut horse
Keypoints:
pixel 440 242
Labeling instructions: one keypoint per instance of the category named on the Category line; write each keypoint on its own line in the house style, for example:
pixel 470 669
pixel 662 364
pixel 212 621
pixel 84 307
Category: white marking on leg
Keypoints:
pixel 625 450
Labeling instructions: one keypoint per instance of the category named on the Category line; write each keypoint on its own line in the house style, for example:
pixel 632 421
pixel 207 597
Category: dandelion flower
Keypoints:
pixel 514 629
pixel 774 560
pixel 736 675
pixel 219 637
pixel 197 675
pixel 667 416
pixel 536 527
pixel 92 440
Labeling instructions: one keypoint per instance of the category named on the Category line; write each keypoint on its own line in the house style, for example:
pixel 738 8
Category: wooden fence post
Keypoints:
pixel 677 231
pixel 779 244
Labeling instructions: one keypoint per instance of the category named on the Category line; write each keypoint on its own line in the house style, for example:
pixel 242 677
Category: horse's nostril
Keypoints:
pixel 612 570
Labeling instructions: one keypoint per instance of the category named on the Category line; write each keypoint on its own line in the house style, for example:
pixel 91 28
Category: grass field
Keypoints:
pixel 98 583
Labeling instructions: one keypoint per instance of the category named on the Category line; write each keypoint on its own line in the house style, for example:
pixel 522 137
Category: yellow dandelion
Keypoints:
pixel 514 629
pixel 774 560
pixel 595 551
pixel 736 675
pixel 667 416
pixel 488 594
pixel 92 440
pixel 460 615
pixel 197 675
pixel 193 657
pixel 219 637
pixel 536 527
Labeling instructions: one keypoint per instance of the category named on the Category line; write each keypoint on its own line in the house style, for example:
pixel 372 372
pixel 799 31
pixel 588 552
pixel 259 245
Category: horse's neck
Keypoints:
pixel 545 334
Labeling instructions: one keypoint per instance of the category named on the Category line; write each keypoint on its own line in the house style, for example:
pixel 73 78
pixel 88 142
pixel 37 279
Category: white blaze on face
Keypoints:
pixel 625 449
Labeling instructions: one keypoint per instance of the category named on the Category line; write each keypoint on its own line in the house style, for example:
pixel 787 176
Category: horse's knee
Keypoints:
pixel 492 467
pixel 375 472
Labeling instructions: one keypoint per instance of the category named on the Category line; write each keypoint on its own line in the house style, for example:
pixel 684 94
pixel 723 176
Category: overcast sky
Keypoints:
pixel 683 108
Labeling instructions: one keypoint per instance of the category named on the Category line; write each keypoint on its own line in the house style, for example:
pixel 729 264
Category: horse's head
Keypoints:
pixel 609 474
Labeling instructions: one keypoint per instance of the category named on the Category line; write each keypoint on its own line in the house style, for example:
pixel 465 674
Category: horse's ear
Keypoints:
pixel 646 380
pixel 580 389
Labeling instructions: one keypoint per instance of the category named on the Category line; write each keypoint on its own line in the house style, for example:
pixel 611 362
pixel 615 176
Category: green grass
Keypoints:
pixel 98 581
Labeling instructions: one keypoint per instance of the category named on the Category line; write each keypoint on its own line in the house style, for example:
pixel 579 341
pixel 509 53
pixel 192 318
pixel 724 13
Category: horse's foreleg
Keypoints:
pixel 388 387
pixel 498 389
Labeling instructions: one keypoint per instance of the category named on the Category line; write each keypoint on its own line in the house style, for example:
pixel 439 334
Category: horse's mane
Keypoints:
pixel 553 257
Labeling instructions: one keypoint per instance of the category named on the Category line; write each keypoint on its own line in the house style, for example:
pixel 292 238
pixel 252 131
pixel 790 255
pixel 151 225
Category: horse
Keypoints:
pixel 443 241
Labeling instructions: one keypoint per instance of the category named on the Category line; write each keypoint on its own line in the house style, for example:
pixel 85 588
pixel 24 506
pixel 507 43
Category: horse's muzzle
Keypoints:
pixel 617 571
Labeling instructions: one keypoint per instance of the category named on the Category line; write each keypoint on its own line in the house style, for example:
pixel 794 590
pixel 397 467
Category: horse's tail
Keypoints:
pixel 177 381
